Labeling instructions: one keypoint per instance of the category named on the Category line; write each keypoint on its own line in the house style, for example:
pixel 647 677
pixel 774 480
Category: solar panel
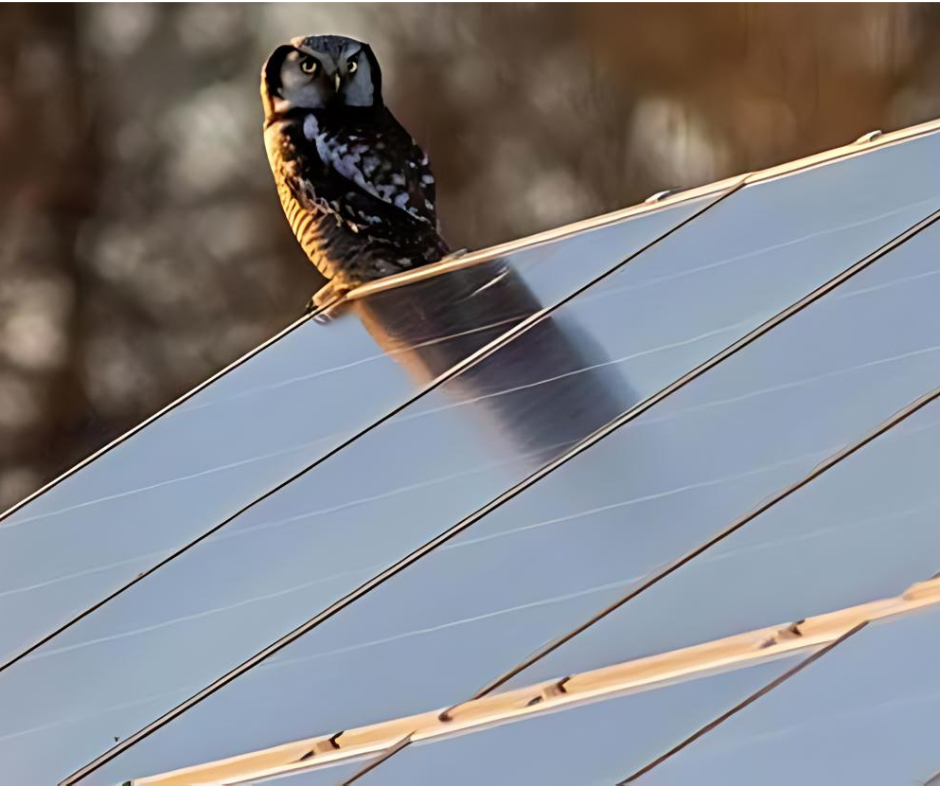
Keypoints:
pixel 593 531
pixel 860 531
pixel 515 711
pixel 864 713
pixel 271 415
pixel 719 277
pixel 593 744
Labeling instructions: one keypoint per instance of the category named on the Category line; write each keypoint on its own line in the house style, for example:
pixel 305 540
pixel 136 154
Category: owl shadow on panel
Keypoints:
pixel 547 389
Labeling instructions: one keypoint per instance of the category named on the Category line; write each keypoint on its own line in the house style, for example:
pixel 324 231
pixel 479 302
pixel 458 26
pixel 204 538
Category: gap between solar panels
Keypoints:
pixel 394 569
pixel 732 185
pixel 826 630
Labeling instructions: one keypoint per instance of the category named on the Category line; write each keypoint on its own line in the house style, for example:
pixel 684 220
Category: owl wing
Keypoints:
pixel 319 188
pixel 380 161
pixel 331 194
pixel 415 169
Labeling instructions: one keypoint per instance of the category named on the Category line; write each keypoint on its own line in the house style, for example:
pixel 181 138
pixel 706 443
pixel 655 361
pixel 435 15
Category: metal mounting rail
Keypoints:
pixel 636 675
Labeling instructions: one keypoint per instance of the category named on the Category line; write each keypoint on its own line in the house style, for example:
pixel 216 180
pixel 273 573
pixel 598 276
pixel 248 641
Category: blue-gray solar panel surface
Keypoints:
pixel 598 526
pixel 719 276
pixel 268 418
pixel 864 530
pixel 866 713
pixel 593 744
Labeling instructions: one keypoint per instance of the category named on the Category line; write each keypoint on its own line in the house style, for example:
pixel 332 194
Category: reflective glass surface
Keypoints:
pixel 437 461
pixel 594 744
pixel 864 530
pixel 270 417
pixel 866 713
pixel 550 558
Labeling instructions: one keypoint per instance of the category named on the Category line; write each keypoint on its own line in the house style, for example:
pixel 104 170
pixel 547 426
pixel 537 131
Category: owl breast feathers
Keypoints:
pixel 357 190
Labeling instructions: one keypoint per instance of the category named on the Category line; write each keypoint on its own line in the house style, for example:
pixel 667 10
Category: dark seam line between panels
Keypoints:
pixel 458 368
pixel 453 372
pixel 930 781
pixel 380 759
pixel 511 493
pixel 819 470
pixel 162 412
pixel 743 704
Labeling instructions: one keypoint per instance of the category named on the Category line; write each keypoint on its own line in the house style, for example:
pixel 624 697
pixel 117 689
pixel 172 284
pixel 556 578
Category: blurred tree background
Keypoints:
pixel 143 247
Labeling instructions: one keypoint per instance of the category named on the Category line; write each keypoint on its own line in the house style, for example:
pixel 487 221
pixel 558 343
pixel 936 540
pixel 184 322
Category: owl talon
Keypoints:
pixel 326 301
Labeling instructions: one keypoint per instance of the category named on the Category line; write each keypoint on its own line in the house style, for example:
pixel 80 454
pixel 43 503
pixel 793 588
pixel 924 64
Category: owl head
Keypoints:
pixel 316 72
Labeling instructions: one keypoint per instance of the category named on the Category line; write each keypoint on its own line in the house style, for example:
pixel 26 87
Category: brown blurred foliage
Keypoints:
pixel 143 247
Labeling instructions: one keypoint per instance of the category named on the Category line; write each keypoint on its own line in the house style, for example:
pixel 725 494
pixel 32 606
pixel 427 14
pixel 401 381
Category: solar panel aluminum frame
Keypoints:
pixel 643 674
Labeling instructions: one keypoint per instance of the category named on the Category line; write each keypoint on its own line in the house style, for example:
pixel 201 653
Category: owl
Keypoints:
pixel 357 190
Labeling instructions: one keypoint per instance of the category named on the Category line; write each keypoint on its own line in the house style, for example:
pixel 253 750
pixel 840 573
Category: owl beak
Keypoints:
pixel 336 79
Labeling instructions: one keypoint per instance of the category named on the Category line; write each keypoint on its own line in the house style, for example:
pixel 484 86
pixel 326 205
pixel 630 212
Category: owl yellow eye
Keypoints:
pixel 352 67
pixel 308 65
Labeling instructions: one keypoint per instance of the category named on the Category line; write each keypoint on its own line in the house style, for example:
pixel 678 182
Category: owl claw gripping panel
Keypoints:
pixel 357 190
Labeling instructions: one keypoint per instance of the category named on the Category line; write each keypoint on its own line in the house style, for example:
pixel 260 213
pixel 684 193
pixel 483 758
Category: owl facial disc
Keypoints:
pixel 316 72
